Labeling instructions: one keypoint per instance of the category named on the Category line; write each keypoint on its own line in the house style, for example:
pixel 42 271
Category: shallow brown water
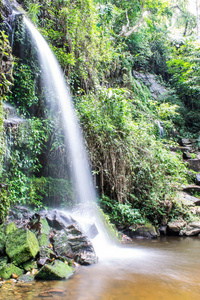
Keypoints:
pixel 167 269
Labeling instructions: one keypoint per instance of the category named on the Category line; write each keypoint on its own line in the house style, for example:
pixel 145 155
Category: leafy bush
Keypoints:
pixel 129 163
pixel 121 214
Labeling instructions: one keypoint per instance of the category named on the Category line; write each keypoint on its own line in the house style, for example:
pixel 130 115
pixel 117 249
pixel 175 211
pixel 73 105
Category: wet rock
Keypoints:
pixel 91 231
pixel 71 243
pixel 57 219
pixel 191 229
pixel 61 244
pixel 21 245
pixel 7 271
pixel 125 238
pixel 57 270
pixel 145 231
pixel 174 227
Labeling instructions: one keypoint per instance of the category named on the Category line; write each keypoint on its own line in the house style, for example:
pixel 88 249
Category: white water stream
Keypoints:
pixel 56 87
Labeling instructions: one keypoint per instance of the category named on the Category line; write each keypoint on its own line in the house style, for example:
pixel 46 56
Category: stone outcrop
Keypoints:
pixel 174 227
pixel 191 229
pixel 42 243
pixel 156 88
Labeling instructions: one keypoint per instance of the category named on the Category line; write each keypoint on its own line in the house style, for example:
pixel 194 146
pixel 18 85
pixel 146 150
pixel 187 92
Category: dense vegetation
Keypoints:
pixel 99 44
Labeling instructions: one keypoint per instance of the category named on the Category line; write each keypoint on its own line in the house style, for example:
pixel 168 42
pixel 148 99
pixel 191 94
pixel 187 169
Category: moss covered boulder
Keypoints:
pixel 21 245
pixel 7 271
pixel 57 270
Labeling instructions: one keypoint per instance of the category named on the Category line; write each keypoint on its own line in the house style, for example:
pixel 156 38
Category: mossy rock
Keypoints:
pixel 21 246
pixel 56 271
pixel 3 261
pixel 2 239
pixel 146 231
pixel 43 238
pixel 7 271
pixel 29 265
pixel 11 227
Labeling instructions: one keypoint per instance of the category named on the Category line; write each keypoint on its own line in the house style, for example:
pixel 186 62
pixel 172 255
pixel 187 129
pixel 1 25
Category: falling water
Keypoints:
pixel 55 85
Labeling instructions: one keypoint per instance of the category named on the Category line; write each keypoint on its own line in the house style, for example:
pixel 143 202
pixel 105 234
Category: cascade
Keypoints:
pixel 161 129
pixel 56 88
pixel 55 85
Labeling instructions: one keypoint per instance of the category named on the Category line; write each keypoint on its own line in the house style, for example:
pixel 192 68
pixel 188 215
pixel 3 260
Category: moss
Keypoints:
pixel 10 228
pixel 6 272
pixel 43 238
pixel 59 270
pixel 29 265
pixel 3 262
pixel 21 246
pixel 2 239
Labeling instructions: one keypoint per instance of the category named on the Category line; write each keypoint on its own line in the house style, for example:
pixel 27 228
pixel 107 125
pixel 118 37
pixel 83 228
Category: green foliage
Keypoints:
pixel 24 146
pixel 4 203
pixel 128 162
pixel 184 67
pixel 121 214
pixel 6 65
pixel 24 91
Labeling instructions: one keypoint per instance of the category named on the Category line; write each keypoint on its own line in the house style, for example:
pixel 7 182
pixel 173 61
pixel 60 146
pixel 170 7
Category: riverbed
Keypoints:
pixel 164 269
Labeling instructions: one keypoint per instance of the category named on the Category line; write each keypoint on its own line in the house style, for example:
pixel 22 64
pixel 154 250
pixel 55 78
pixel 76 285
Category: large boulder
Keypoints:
pixel 191 229
pixel 21 245
pixel 143 231
pixel 72 243
pixel 174 227
pixel 55 271
pixel 57 219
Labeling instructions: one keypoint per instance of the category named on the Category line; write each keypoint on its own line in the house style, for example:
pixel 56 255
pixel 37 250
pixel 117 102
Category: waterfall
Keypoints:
pixel 161 129
pixel 56 87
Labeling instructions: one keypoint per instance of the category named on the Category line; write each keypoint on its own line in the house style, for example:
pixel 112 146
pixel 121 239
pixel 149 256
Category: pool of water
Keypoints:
pixel 164 269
